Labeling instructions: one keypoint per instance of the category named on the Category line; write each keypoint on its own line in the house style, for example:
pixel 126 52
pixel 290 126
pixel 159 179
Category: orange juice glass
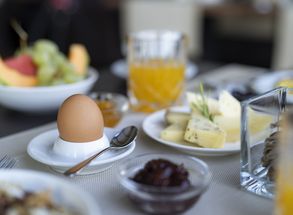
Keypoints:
pixel 156 62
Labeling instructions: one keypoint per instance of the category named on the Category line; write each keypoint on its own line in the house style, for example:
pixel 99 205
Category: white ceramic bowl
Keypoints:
pixel 44 99
pixel 63 192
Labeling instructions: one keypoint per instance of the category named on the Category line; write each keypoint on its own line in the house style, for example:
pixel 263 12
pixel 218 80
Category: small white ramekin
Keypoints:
pixel 80 150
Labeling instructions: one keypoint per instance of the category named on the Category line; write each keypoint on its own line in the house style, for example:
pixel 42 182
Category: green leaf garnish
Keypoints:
pixel 202 106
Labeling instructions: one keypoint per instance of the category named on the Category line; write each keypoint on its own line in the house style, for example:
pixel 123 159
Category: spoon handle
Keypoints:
pixel 82 164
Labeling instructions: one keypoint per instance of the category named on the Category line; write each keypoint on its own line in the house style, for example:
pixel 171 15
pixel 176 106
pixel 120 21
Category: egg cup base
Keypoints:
pixel 80 150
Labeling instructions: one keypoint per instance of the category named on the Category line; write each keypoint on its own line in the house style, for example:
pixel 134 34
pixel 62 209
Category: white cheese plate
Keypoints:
pixel 154 124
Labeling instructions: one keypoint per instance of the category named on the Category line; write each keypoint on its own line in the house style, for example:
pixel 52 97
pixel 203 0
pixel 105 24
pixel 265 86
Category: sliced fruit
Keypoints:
pixel 23 64
pixel 12 77
pixel 79 58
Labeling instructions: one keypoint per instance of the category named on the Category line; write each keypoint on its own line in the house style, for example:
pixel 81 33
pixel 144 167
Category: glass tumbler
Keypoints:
pixel 260 128
pixel 156 64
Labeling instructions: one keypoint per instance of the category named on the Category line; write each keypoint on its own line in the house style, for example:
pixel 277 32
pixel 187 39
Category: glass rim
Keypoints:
pixel 157 35
pixel 260 96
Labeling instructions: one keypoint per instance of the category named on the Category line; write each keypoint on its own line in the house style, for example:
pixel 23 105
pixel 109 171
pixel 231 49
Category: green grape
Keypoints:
pixel 54 67
pixel 66 68
pixel 45 75
pixel 45 46
pixel 71 78
pixel 58 82
pixel 41 58
pixel 2 82
pixel 59 59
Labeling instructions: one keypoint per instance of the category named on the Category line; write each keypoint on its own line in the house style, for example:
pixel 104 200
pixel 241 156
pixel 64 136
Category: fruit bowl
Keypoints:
pixel 44 99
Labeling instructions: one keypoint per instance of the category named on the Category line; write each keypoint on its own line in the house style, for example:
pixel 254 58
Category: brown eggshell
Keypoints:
pixel 80 120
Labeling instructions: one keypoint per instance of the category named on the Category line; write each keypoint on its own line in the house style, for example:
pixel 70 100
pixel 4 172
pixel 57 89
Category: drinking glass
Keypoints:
pixel 156 63
pixel 260 120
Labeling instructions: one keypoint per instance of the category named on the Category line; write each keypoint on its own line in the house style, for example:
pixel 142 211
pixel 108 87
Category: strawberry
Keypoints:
pixel 23 64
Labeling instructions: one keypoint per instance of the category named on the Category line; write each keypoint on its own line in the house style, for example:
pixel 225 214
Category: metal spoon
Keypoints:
pixel 120 140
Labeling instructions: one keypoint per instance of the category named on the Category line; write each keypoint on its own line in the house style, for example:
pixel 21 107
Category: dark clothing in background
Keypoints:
pixel 88 22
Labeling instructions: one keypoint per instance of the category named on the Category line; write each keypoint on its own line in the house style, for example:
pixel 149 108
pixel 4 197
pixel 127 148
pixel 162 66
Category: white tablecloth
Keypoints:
pixel 223 197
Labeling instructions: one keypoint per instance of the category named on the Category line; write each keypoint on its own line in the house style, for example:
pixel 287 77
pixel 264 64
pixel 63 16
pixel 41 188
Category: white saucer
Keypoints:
pixel 40 149
pixel 119 68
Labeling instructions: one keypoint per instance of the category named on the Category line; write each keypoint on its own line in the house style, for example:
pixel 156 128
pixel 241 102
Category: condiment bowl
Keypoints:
pixel 112 105
pixel 165 200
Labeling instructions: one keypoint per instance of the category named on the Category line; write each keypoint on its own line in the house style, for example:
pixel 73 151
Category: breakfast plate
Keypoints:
pixel 40 148
pixel 154 124
pixel 119 68
pixel 60 192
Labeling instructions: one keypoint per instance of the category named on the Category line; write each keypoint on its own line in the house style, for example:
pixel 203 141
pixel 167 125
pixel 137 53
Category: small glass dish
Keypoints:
pixel 112 105
pixel 164 200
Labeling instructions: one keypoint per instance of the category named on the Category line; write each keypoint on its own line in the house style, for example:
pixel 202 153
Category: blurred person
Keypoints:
pixel 94 23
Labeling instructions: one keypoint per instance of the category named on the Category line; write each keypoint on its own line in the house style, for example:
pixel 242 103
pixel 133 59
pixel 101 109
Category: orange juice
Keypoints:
pixel 155 84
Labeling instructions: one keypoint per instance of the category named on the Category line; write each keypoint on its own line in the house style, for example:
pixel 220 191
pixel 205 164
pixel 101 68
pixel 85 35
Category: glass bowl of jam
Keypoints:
pixel 164 183
pixel 112 105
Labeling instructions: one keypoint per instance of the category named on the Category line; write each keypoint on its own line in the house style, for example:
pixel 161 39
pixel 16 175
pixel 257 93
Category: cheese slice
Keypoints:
pixel 231 125
pixel 174 117
pixel 204 133
pixel 229 105
pixel 174 133
pixel 213 104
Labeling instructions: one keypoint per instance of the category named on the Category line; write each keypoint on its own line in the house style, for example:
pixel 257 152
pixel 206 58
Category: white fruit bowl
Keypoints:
pixel 44 99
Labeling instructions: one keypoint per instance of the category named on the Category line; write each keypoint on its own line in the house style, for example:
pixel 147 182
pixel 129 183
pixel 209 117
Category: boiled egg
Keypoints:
pixel 81 128
pixel 80 120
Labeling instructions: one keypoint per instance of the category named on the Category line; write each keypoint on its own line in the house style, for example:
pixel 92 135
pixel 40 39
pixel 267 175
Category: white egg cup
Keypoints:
pixel 80 150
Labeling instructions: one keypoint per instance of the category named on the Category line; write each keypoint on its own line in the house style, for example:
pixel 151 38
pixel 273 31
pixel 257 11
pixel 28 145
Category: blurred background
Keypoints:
pixel 249 32
pixel 221 34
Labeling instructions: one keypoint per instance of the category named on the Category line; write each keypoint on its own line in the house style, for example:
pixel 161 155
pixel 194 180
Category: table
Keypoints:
pixel 224 196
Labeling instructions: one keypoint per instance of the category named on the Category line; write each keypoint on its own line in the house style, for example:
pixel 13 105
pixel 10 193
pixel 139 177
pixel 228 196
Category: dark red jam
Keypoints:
pixel 163 173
